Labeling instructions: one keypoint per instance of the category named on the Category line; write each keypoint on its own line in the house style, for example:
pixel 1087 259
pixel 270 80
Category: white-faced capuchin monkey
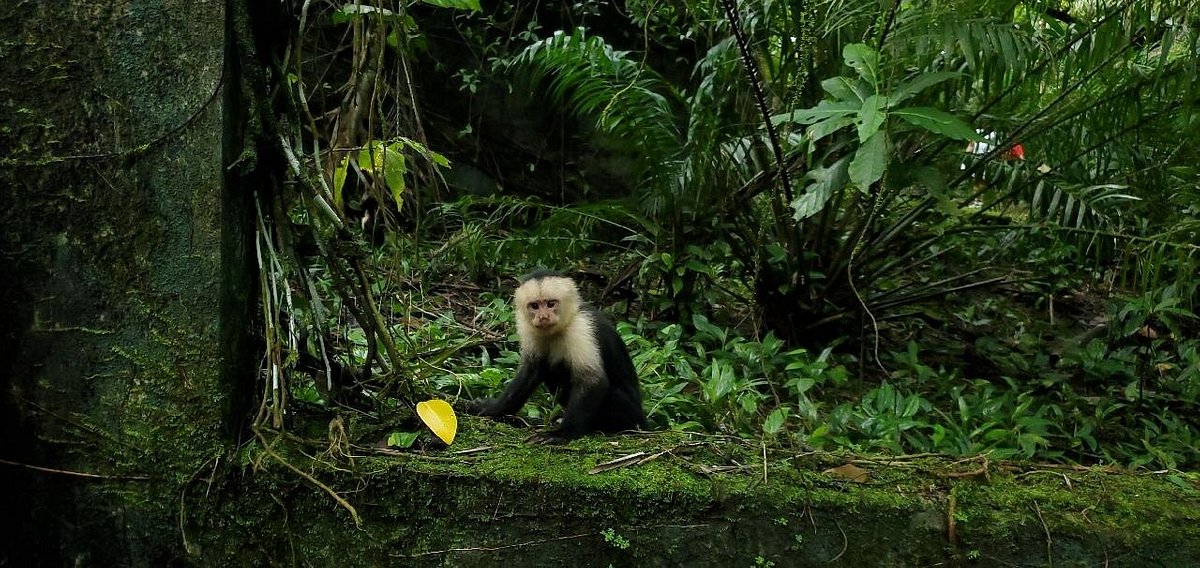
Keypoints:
pixel 573 349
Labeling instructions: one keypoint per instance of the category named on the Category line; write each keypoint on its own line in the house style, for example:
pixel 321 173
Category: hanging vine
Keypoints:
pixel 354 146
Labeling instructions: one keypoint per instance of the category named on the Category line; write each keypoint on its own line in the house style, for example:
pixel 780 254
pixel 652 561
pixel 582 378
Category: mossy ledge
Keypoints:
pixel 699 501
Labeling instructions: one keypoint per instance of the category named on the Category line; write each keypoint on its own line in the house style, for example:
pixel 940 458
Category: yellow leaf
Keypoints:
pixel 439 417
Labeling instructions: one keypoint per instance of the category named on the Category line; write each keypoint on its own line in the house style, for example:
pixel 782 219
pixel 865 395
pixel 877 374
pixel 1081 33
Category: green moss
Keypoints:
pixel 112 210
pixel 1129 510
pixel 476 508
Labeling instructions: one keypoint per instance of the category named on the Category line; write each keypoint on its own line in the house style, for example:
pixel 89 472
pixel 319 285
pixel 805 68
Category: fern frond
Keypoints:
pixel 596 82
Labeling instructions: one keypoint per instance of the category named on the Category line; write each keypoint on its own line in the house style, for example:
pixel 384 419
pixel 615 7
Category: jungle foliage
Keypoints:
pixel 959 226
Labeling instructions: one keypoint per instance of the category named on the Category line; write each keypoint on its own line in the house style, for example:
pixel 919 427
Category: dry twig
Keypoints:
pixel 495 548
pixel 77 473
pixel 1049 542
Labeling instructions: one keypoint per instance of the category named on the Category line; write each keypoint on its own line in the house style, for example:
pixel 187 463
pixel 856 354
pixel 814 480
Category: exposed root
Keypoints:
pixel 338 498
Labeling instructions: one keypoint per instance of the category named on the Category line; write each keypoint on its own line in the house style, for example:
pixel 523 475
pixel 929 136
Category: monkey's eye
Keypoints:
pixel 533 305
pixel 551 303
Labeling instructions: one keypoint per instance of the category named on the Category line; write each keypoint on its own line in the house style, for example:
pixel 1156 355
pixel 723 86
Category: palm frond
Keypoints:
pixel 594 81
pixel 1079 206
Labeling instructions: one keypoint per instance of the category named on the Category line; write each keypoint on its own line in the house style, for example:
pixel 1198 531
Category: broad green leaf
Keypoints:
pixel 393 173
pixel 366 157
pixel 826 181
pixel 864 60
pixel 934 182
pixel 841 88
pixel 913 86
pixel 1178 481
pixel 697 266
pixel 385 161
pixel 824 109
pixel 1131 391
pixel 1007 47
pixel 871 116
pixel 350 11
pixel 472 5
pixel 828 126
pixel 775 419
pixel 1168 42
pixel 339 179
pixel 803 385
pixel 702 324
pixel 938 121
pixel 775 253
pixel 402 439
pixel 428 154
pixel 720 381
pixel 870 160
pixel 967 46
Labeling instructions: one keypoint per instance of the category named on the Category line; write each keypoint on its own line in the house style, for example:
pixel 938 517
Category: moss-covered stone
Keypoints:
pixel 110 227
pixel 699 501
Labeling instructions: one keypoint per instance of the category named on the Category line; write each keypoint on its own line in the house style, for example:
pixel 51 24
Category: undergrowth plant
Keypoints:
pixel 905 295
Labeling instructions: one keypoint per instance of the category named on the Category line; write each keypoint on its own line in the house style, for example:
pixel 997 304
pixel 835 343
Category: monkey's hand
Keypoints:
pixel 549 438
pixel 481 407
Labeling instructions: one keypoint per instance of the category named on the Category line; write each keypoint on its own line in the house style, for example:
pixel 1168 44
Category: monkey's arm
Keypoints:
pixel 529 376
pixel 588 389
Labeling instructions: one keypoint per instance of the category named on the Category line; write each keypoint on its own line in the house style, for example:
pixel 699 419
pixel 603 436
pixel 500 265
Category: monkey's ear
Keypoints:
pixel 539 273
pixel 530 275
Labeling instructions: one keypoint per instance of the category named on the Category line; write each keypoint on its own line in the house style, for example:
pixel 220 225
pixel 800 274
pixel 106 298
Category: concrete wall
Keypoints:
pixel 111 260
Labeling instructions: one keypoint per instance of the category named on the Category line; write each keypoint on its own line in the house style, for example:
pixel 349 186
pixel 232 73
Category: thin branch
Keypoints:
pixel 495 548
pixel 760 97
pixel 951 524
pixel 1049 541
pixel 76 473
pixel 845 542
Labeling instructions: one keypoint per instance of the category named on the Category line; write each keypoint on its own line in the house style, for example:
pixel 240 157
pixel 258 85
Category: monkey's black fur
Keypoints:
pixel 605 400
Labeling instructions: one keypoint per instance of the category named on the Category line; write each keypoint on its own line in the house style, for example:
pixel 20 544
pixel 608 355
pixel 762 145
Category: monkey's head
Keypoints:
pixel 545 303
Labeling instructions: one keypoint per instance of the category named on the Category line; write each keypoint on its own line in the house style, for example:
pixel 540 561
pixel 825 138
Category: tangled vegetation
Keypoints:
pixel 962 226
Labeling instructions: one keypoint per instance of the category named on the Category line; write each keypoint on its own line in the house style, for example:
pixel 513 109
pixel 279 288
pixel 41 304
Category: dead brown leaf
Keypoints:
pixel 849 472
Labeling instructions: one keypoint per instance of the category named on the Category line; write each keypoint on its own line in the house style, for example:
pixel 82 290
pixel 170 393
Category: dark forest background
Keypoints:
pixel 964 227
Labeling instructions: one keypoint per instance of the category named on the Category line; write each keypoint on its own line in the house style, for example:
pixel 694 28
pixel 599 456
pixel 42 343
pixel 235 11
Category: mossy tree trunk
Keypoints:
pixel 125 300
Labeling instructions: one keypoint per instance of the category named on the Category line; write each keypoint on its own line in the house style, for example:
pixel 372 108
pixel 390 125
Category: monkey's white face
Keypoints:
pixel 552 326
pixel 546 306
pixel 543 314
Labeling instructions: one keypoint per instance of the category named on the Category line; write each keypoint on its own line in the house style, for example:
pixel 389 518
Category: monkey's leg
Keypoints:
pixel 622 411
